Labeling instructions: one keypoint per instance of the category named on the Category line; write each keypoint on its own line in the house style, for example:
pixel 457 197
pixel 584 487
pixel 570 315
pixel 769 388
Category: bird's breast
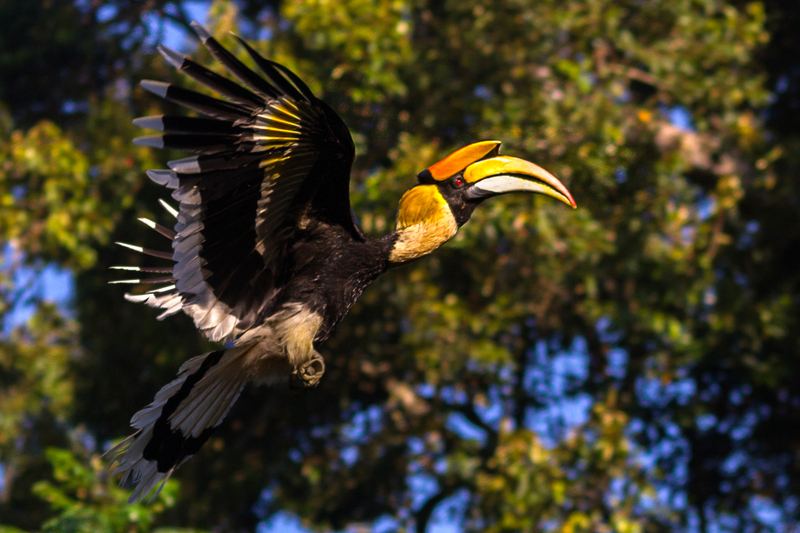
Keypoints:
pixel 329 272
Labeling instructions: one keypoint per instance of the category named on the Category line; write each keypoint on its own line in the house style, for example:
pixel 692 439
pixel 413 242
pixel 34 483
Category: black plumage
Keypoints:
pixel 264 225
pixel 265 249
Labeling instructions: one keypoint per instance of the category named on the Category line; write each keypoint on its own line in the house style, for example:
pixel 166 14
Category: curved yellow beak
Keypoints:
pixel 502 174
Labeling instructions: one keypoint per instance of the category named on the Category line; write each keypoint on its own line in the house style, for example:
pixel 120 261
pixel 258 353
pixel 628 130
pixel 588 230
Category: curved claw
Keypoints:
pixel 308 375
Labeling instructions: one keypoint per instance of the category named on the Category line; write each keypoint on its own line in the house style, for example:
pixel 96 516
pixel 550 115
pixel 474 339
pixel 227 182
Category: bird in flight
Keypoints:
pixel 266 254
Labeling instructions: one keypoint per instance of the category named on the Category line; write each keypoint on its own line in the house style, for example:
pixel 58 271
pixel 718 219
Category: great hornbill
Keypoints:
pixel 266 252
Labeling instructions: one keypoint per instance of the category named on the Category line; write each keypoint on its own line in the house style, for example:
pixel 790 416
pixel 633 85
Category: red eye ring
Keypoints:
pixel 458 182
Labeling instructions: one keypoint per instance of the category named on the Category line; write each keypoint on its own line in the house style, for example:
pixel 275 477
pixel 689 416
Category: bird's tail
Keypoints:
pixel 181 418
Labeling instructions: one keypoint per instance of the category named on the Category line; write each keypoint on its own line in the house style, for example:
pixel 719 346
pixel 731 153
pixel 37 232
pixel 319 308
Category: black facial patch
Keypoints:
pixel 456 198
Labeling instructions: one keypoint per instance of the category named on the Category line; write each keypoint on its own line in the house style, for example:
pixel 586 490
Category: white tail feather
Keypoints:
pixel 169 434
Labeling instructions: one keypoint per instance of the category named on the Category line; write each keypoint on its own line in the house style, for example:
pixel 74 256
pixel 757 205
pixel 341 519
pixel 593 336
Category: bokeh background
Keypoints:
pixel 632 366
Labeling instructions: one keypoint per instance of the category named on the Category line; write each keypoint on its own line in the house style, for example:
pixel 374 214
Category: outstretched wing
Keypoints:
pixel 268 155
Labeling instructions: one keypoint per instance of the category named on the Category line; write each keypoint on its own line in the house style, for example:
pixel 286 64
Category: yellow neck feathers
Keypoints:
pixel 424 222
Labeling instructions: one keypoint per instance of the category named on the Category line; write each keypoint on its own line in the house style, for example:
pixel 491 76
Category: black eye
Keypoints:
pixel 458 182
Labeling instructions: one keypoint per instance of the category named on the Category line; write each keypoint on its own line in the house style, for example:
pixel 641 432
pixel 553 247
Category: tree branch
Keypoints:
pixel 425 512
pixel 468 410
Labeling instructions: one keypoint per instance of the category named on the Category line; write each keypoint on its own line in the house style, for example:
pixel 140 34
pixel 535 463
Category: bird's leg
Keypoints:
pixel 308 374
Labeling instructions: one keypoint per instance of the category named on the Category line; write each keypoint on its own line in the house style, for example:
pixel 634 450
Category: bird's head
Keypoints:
pixel 448 192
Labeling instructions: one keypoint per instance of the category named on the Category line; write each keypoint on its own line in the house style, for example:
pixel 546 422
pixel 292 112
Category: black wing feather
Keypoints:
pixel 212 80
pixel 191 125
pixel 298 91
pixel 270 153
pixel 195 101
pixel 249 78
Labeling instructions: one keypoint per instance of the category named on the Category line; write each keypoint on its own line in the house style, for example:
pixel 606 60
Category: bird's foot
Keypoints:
pixel 307 375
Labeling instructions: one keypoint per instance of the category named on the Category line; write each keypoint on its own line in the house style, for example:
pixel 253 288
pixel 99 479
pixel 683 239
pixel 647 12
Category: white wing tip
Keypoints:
pixel 131 246
pixel 171 210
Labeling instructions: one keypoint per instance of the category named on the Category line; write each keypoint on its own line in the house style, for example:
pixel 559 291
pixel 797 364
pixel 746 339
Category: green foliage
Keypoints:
pixel 35 364
pixel 629 366
pixel 86 498
pixel 370 42
pixel 567 486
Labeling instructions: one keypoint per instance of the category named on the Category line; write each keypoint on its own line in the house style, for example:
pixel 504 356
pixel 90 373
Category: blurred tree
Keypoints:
pixel 630 366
